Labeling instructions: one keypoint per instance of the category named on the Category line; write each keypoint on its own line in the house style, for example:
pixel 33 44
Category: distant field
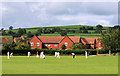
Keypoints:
pixel 76 34
pixel 91 33
pixel 64 65
pixel 75 27
pixel 70 26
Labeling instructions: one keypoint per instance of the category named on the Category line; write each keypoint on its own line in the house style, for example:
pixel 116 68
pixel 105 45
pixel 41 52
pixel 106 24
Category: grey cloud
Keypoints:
pixel 31 14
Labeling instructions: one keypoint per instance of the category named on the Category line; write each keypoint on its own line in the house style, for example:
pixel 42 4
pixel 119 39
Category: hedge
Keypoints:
pixel 62 52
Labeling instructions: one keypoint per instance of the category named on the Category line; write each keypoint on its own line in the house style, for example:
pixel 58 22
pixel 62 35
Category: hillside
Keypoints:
pixel 91 32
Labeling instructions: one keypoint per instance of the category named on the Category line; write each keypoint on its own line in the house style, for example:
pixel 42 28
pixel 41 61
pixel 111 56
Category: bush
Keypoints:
pixel 62 52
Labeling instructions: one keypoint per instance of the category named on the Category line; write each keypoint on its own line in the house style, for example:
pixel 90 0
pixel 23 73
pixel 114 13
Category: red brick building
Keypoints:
pixel 55 42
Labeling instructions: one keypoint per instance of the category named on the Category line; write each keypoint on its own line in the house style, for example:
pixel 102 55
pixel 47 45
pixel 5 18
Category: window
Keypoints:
pixel 37 44
pixel 45 44
pixel 48 44
pixel 55 44
pixel 31 44
pixel 99 48
pixel 66 44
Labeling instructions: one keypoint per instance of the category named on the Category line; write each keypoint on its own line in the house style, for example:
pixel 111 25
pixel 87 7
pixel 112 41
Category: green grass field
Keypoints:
pixel 64 65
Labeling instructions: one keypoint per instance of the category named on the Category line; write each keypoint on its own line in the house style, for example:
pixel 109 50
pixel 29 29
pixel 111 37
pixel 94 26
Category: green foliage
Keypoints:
pixel 39 31
pixel 117 27
pixel 85 31
pixel 22 45
pixel 11 27
pixel 1 29
pixel 5 46
pixel 78 46
pixel 4 33
pixel 63 47
pixel 13 45
pixel 11 32
pixel 63 33
pixel 62 52
pixel 99 28
pixel 111 39
pixel 21 31
pixel 29 34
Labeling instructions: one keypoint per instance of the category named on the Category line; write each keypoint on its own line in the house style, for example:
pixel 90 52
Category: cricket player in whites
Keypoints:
pixel 8 54
pixel 86 54
pixel 73 54
pixel 37 55
pixel 42 56
pixel 57 54
pixel 11 54
pixel 28 54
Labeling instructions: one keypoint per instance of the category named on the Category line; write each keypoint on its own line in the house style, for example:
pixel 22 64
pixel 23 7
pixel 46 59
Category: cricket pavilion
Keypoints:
pixel 55 42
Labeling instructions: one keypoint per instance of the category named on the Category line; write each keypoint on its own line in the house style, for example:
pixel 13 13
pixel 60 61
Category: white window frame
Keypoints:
pixel 66 44
pixel 31 44
pixel 45 44
pixel 55 44
pixel 38 44
pixel 48 44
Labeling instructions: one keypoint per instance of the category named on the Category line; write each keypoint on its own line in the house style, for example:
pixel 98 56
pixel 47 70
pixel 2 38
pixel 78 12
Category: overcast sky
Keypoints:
pixel 37 14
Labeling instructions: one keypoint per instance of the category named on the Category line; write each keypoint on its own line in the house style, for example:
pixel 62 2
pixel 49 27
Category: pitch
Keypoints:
pixel 64 65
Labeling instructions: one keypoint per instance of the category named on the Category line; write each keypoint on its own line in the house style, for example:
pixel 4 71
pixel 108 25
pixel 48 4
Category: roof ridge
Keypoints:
pixel 64 37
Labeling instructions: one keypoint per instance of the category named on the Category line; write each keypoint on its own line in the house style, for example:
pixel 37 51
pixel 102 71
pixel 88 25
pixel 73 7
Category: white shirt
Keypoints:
pixel 73 53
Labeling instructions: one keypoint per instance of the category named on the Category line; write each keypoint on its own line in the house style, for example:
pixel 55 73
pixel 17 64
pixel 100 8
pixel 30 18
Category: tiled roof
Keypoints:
pixel 75 39
pixel 88 40
pixel 50 39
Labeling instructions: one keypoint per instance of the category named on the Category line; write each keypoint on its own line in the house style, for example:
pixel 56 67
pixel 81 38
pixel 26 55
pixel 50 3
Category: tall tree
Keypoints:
pixel 1 29
pixel 111 39
pixel 63 47
pixel 99 28
pixel 63 33
pixel 29 34
pixel 11 32
pixel 11 27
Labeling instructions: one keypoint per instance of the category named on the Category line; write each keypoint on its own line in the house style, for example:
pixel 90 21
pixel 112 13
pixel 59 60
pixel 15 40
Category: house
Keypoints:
pixel 55 42
pixel 21 39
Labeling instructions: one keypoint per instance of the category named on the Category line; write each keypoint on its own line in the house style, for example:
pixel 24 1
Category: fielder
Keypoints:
pixel 73 54
pixel 11 54
pixel 8 54
pixel 42 56
pixel 28 54
pixel 86 54
pixel 37 55
pixel 57 54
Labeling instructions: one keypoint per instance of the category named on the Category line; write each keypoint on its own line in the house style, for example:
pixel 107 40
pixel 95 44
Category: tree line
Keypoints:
pixel 62 32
